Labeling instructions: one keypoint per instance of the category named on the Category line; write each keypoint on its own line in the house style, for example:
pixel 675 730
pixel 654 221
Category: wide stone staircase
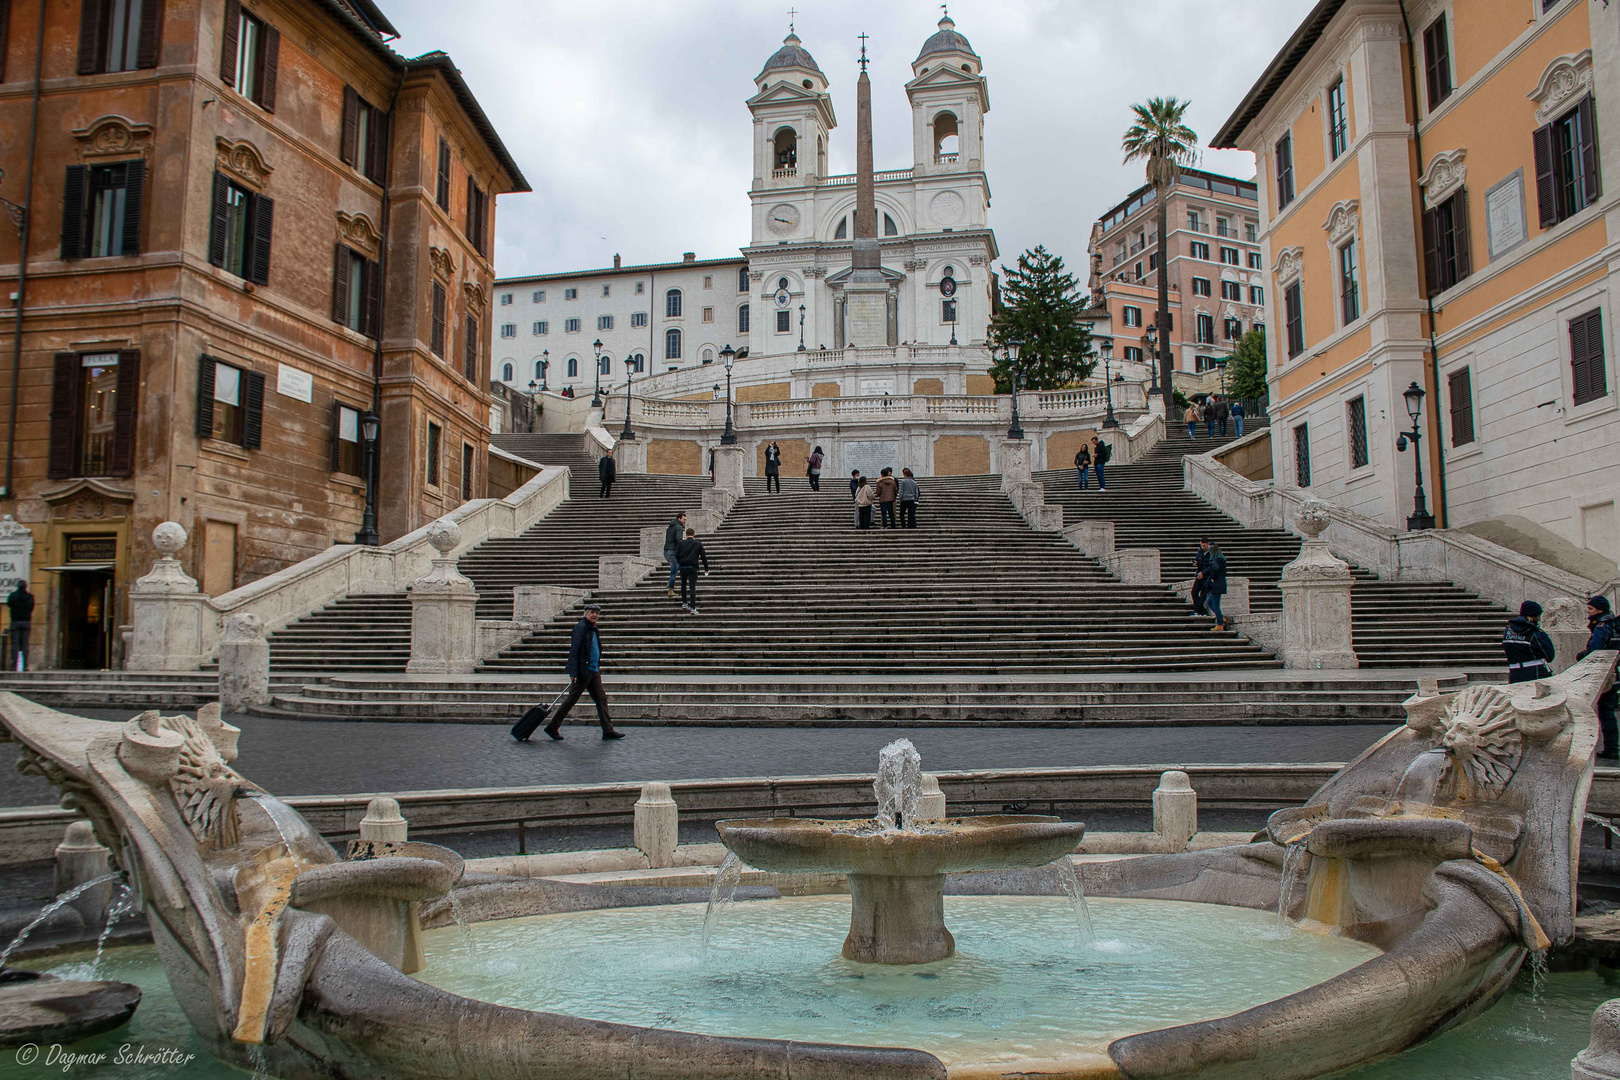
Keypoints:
pixel 1394 623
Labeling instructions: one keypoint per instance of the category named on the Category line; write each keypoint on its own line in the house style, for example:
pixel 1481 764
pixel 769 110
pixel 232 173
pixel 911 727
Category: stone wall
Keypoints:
pixel 981 384
pixel 775 391
pixel 794 451
pixel 1250 458
pixel 961 455
pixel 508 472
pixel 826 389
pixel 1061 446
pixel 928 386
pixel 675 456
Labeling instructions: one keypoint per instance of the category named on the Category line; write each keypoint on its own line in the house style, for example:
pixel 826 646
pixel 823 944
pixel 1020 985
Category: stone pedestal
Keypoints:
pixel 1316 600
pixel 383 823
pixel 897 920
pixel 728 469
pixel 657 825
pixel 652 541
pixel 616 573
pixel 81 858
pixel 443 618
pixel 170 614
pixel 536 605
pixel 1014 463
pixel 1601 1059
pixel 1565 623
pixel 719 501
pixel 1091 537
pixel 631 455
pixel 931 805
pixel 1133 566
pixel 1175 809
pixel 244 663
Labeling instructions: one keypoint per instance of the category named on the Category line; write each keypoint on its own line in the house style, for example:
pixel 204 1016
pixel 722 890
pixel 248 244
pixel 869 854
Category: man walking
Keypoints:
pixel 1100 454
pixel 1605 630
pixel 672 540
pixel 908 499
pixel 689 553
pixel 1529 650
pixel 1200 582
pixel 888 489
pixel 1212 573
pixel 1209 417
pixel 1237 417
pixel 585 671
pixel 1222 411
pixel 606 471
pixel 21 603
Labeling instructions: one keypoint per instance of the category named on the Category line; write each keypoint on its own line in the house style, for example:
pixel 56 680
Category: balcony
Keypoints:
pixel 1198 226
pixel 1226 231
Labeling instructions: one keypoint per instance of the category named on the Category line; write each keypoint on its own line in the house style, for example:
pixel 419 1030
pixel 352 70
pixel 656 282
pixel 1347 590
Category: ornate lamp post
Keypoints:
pixel 801 328
pixel 629 398
pixel 1151 339
pixel 596 395
pixel 1010 351
pixel 729 437
pixel 534 406
pixel 368 521
pixel 1420 517
pixel 1108 381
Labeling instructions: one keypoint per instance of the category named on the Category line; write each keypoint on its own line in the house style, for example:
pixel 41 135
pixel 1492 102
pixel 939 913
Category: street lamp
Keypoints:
pixel 729 438
pixel 596 395
pixel 1108 381
pixel 1420 517
pixel 534 406
pixel 629 398
pixel 801 328
pixel 1151 338
pixel 368 521
pixel 1010 350
pixel 953 323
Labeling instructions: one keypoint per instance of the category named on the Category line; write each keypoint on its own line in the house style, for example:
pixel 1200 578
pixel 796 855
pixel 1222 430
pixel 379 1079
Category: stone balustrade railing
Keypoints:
pixel 1087 403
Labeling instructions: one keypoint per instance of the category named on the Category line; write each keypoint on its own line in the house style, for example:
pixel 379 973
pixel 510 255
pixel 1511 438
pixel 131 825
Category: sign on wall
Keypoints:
pixel 16 554
pixel 290 382
pixel 1504 215
pixel 92 549
pixel 872 456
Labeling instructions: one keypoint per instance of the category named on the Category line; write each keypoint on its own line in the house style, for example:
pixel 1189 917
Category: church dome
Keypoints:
pixel 791 55
pixel 945 40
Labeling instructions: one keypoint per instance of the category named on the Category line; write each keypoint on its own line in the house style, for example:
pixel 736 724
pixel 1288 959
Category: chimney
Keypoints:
pixel 689 256
pixel 615 260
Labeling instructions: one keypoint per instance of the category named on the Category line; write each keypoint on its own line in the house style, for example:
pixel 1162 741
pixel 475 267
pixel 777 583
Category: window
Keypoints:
pixel 466 471
pixel 1257 295
pixel 1133 353
pixel 672 345
pixel 708 281
pixel 250 56
pixel 1153 260
pixel 1133 316
pixel 607 290
pixel 1285 170
pixel 506 373
pixel 1356 422
pixel 1349 289
pixel 1302 455
pixel 742 318
pixel 708 356
pixel 1589 375
pixel 506 299
pixel 1230 256
pixel 118 35
pixel 356 291
pixel 477 230
pixel 638 318
pixel 440 319
pixel 540 367
pixel 842 232
pixel 742 279
pixel 239 236
pixel 542 327
pixel 433 436
pixel 782 284
pixel 947 311
pixel 346 439
pixel 604 322
pixel 1567 179
pixel 1460 390
pixel 1223 227
pixel 1234 329
pixel 1194 222
pixel 570 326
pixel 1255 262
pixel 784 322
pixel 1295 319
pixel 708 314
pixel 1437 62
pixel 889 227
pixel 641 287
pixel 1199 250
pixel 1231 290
pixel 230 403
pixel 93 412
pixel 1205 363
pixel 508 330
pixel 573 367
pixel 1206 329
pixel 1251 232
pixel 1200 286
pixel 568 294
pixel 441 194
pixel 1445 243
pixel 469 363
pixel 606 364
pixel 672 304
pixel 1338 120
pixel 364 141
pixel 101 210
pixel 538 297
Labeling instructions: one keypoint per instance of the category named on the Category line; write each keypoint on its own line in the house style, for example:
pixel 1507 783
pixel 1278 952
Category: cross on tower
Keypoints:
pixel 945 9
pixel 863 51
pixel 792 14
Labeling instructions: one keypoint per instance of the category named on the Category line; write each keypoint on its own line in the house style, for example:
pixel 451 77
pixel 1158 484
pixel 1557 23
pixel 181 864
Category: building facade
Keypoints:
pixel 1434 211
pixel 250 225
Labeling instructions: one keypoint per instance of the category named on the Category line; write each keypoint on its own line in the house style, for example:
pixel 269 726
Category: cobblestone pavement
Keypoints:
pixel 294 757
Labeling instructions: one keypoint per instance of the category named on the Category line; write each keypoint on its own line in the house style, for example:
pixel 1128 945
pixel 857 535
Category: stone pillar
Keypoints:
pixel 383 823
pixel 1014 463
pixel 537 605
pixel 1133 566
pixel 1601 1059
pixel 931 806
pixel 1316 599
pixel 171 616
pixel 1175 809
pixel 631 455
pixel 443 619
pixel 244 663
pixel 1565 624
pixel 728 469
pixel 616 573
pixel 1091 537
pixel 657 829
pixel 81 858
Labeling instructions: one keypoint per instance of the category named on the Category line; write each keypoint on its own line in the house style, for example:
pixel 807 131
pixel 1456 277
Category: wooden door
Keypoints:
pixel 219 557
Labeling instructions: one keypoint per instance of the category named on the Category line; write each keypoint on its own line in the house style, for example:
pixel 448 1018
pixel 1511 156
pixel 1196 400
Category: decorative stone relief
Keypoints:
pixel 474 292
pixel 444 267
pixel 242 160
pixel 1444 176
pixel 977 260
pixel 1289 265
pixel 1482 733
pixel 358 232
pixel 913 265
pixel 1342 221
pixel 1566 78
pixel 815 271
pixel 114 135
pixel 87 499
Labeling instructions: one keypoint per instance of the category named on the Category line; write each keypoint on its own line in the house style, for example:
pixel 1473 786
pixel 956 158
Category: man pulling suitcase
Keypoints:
pixel 585 675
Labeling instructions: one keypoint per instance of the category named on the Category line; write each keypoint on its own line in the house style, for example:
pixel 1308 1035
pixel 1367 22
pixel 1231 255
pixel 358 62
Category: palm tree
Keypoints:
pixel 1160 139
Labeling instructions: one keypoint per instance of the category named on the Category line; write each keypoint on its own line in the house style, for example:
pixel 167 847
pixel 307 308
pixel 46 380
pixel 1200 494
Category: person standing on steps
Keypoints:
pixel 908 499
pixel 886 491
pixel 1191 419
pixel 773 467
pixel 855 482
pixel 1237 417
pixel 585 671
pixel 1212 574
pixel 864 497
pixel 689 553
pixel 1605 630
pixel 607 470
pixel 672 540
pixel 1209 417
pixel 1082 465
pixel 1529 650
pixel 812 468
pixel 1101 453
pixel 1222 411
pixel 21 603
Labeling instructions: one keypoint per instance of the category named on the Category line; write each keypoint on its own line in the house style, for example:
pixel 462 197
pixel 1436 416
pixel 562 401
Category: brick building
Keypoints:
pixel 250 223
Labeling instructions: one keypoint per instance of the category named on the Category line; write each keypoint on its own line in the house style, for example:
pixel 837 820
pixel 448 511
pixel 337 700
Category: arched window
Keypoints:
pixel 506 373
pixel 742 279
pixel 672 344
pixel 786 146
pixel 708 356
pixel 842 232
pixel 946 141
pixel 573 367
pixel 672 304
pixel 742 318
pixel 636 362
pixel 781 284
pixel 607 365
pixel 889 227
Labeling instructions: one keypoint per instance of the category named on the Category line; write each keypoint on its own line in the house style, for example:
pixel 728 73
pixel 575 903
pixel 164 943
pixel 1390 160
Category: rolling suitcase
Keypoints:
pixel 536 716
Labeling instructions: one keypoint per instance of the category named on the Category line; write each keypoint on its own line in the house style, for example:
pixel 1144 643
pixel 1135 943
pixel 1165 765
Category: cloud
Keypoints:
pixel 627 116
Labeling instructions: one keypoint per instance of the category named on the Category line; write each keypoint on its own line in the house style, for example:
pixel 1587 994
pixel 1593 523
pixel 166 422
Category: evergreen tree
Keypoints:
pixel 1041 307
pixel 1246 367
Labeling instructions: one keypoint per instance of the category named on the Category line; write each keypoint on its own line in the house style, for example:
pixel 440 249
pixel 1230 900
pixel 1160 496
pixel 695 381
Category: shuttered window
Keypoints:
pixel 1446 251
pixel 436 341
pixel 94 405
pixel 442 194
pixel 230 403
pixel 1460 391
pixel 1437 62
pixel 240 231
pixel 1285 170
pixel 433 438
pixel 1349 284
pixel 1295 318
pixel 1567 174
pixel 1302 455
pixel 1588 363
pixel 250 56
pixel 356 291
pixel 466 471
pixel 1355 415
pixel 470 359
pixel 118 35
pixel 477 217
pixel 364 139
pixel 5 34
pixel 101 209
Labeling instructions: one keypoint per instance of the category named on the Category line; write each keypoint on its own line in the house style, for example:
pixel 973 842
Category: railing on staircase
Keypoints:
pixel 1083 404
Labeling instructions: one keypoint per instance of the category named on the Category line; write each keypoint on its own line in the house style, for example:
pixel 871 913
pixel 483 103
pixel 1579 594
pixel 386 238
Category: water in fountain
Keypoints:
pixel 898 785
pixel 1421 781
pixel 1076 892
pixel 124 904
pixel 51 909
pixel 461 923
pixel 720 894
pixel 256 1058
pixel 1290 870
pixel 281 816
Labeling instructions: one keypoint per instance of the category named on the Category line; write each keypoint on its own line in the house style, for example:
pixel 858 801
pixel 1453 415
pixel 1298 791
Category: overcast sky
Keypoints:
pixel 627 116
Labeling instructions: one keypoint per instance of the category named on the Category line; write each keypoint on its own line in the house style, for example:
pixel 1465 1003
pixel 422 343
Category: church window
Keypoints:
pixel 742 318
pixel 889 227
pixel 947 311
pixel 506 373
pixel 782 285
pixel 672 304
pixel 672 345
pixel 949 271
pixel 947 143
pixel 786 147
pixel 784 322
pixel 573 367
pixel 742 279
pixel 842 232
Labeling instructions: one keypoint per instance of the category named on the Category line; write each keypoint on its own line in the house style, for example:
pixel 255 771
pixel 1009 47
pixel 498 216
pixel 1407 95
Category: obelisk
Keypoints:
pixel 866 293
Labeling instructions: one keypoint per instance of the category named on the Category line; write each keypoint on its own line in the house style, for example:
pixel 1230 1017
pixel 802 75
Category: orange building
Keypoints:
pixel 249 225
pixel 1434 211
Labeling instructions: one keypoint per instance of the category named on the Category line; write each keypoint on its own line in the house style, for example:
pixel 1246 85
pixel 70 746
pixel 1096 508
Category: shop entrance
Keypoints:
pixel 86 619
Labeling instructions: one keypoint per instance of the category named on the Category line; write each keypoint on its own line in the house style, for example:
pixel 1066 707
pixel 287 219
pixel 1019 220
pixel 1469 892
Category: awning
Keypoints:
pixel 97 567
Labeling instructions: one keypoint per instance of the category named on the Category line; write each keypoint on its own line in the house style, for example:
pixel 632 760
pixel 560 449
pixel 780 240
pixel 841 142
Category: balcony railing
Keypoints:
pixel 1198 226
pixel 1226 231
pixel 784 174
pixel 849 178
pixel 947 159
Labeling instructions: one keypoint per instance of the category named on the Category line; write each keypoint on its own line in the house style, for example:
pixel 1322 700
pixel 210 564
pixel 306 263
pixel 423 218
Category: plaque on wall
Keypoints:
pixel 875 387
pixel 1504 215
pixel 293 383
pixel 872 456
pixel 92 549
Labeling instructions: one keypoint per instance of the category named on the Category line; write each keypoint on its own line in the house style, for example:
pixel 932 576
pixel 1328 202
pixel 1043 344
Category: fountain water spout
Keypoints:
pixel 898 785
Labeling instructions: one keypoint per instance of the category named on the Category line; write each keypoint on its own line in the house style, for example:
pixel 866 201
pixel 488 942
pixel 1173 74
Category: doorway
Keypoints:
pixel 86 615
pixel 219 557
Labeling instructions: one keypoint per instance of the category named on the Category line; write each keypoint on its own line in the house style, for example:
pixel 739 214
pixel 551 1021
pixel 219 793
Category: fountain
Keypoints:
pixel 896 864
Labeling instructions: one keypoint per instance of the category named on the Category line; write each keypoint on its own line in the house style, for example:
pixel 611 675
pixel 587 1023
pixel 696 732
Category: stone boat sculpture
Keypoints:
pixel 1451 845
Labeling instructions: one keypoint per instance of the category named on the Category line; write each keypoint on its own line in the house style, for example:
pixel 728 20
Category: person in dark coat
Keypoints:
pixel 1200 564
pixel 607 470
pixel 1215 583
pixel 1605 631
pixel 585 671
pixel 909 492
pixel 1529 650
pixel 1210 409
pixel 21 603
pixel 672 540
pixel 812 468
pixel 1222 411
pixel 1082 465
pixel 1100 453
pixel 885 492
pixel 689 554
pixel 773 467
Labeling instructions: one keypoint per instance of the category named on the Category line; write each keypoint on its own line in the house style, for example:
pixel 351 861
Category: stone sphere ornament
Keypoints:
pixel 169 538
pixel 445 536
pixel 1313 517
